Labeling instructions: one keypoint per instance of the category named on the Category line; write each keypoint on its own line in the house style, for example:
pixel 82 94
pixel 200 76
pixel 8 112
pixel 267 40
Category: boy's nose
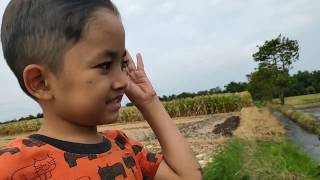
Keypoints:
pixel 120 80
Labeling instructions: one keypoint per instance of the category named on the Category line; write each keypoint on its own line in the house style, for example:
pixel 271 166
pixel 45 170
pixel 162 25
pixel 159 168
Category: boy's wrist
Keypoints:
pixel 149 105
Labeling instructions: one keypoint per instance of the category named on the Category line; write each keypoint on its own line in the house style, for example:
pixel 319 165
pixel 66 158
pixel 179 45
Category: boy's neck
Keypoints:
pixel 68 131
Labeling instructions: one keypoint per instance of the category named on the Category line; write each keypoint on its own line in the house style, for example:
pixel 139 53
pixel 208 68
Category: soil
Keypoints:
pixel 229 125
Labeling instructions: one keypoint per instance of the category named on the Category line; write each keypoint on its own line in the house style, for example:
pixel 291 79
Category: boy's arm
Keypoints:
pixel 179 161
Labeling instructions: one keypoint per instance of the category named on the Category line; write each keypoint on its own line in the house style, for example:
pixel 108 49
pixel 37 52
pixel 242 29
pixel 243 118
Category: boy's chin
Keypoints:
pixel 108 121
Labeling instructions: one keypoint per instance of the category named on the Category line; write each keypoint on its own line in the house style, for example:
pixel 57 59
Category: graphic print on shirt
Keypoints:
pixel 42 168
pixel 32 143
pixel 72 158
pixel 9 150
pixel 120 141
pixel 111 172
pixel 151 157
pixel 136 149
pixel 129 162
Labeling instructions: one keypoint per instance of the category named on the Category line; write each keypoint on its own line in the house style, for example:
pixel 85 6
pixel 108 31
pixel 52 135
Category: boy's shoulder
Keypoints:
pixel 18 146
pixel 23 154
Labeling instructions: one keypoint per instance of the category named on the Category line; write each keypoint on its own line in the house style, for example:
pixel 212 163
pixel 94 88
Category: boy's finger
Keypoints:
pixel 140 62
pixel 131 65
pixel 127 71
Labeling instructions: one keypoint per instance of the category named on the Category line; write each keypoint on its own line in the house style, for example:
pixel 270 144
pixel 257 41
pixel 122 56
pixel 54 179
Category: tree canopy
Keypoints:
pixel 275 58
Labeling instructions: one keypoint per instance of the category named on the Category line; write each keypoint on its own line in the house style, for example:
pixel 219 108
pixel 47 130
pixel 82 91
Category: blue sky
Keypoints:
pixel 190 46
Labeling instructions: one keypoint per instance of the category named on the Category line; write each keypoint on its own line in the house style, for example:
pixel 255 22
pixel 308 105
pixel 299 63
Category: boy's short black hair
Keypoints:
pixel 41 31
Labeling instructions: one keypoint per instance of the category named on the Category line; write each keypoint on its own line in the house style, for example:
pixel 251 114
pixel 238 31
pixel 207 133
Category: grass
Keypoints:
pixel 228 163
pixel 244 159
pixel 301 100
pixel 282 160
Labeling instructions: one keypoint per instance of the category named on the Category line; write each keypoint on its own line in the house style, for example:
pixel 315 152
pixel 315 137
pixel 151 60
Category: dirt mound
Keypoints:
pixel 202 129
pixel 229 125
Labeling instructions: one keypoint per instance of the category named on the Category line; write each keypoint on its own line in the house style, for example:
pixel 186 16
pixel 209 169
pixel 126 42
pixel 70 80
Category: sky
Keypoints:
pixel 189 46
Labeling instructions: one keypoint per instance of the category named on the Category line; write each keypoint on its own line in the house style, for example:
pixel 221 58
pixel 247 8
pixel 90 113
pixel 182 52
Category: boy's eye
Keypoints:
pixel 105 66
pixel 125 64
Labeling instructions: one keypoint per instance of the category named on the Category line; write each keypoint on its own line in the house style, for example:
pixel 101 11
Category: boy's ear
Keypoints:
pixel 35 81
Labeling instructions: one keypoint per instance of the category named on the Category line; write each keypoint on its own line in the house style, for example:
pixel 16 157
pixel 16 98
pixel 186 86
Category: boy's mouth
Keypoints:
pixel 115 100
pixel 115 103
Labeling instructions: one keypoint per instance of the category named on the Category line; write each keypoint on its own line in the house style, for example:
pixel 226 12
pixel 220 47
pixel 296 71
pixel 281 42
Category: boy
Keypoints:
pixel 70 57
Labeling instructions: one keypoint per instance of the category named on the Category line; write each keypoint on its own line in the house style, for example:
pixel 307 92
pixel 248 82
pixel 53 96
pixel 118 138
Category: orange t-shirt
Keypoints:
pixel 41 157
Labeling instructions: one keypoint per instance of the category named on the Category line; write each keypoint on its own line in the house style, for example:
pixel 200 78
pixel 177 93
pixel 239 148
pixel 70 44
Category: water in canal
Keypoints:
pixel 308 141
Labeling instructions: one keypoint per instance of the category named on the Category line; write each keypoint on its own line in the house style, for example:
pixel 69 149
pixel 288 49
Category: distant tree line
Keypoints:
pixel 304 82
pixel 39 115
pixel 301 83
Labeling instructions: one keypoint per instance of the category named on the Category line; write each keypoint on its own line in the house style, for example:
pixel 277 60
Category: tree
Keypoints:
pixel 129 104
pixel 202 93
pixel 277 56
pixel 316 80
pixel 260 85
pixel 215 90
pixel 236 87
pixel 164 98
pixel 185 95
pixel 39 115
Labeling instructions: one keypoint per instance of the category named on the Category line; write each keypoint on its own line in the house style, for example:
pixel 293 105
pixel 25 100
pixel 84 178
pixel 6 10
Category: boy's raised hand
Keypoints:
pixel 139 90
pixel 179 161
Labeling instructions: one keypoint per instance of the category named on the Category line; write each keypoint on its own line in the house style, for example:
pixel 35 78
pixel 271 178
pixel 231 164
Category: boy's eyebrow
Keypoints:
pixel 111 54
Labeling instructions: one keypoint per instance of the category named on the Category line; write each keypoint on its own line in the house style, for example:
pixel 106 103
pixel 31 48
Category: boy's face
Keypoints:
pixel 94 73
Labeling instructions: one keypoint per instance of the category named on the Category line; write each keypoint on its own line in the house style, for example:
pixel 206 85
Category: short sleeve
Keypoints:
pixel 14 160
pixel 148 161
pixel 8 161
